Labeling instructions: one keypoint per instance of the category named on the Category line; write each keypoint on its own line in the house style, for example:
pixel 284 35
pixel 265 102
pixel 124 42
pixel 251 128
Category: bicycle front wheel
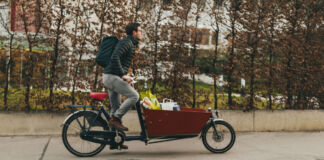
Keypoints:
pixel 220 140
pixel 71 134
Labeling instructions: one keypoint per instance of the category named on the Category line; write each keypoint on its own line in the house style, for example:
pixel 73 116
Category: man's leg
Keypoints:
pixel 123 88
pixel 116 84
pixel 114 99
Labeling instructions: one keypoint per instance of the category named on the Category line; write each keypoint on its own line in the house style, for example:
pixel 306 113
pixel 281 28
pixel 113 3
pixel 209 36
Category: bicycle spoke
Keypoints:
pixel 73 135
pixel 219 140
pixel 79 123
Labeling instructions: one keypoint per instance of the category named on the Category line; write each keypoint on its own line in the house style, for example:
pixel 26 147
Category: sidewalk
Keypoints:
pixel 248 146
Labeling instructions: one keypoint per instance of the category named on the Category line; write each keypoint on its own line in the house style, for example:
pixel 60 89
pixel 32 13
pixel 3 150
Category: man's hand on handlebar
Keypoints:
pixel 127 78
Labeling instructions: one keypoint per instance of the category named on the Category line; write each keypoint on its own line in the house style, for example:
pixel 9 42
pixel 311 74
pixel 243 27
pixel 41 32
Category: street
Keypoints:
pixel 248 146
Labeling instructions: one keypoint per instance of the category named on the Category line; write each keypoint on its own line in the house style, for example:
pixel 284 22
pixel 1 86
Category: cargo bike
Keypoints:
pixel 85 132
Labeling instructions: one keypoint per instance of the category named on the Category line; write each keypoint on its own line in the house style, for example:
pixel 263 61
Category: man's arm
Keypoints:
pixel 119 51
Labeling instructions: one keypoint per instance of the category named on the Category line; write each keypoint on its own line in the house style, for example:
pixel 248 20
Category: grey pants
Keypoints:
pixel 117 87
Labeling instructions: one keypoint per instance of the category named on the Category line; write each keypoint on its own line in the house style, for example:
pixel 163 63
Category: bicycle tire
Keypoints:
pixel 66 126
pixel 207 142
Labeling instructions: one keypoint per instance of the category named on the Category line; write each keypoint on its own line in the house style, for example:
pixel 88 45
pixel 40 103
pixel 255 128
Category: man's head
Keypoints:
pixel 134 30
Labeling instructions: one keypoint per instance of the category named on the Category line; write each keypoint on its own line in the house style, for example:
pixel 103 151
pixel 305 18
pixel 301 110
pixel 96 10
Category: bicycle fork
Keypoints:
pixel 213 122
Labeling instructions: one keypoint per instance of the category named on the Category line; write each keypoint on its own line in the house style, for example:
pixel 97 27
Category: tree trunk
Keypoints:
pixel 234 8
pixel 231 65
pixel 8 74
pixel 194 65
pixel 155 70
pixel 31 41
pixel 289 101
pixel 137 9
pixel 254 54
pixel 251 101
pixel 75 78
pixel 175 66
pixel 97 68
pixel 214 67
pixel 288 86
pixel 270 78
pixel 270 89
pixel 302 92
pixel 194 91
pixel 56 53
pixel 29 77
pixel 77 66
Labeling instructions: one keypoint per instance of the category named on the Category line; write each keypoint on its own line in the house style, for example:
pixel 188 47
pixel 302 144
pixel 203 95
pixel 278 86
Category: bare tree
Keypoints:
pixel 200 5
pixel 252 21
pixel 182 11
pixel 311 19
pixel 5 23
pixel 79 40
pixel 216 16
pixel 272 16
pixel 292 14
pixel 233 10
pixel 56 21
pixel 102 12
pixel 158 9
pixel 32 15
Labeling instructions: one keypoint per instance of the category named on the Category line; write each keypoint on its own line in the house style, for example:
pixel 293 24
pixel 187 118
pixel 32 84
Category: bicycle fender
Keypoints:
pixel 76 112
pixel 70 115
pixel 218 119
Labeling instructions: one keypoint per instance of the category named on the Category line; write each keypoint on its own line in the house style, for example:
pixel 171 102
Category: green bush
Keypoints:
pixel 39 98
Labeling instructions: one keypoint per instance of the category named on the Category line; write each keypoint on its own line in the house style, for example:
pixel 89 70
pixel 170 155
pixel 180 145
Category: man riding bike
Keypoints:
pixel 115 76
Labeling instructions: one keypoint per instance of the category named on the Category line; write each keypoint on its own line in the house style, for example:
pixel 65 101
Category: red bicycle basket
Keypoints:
pixel 187 121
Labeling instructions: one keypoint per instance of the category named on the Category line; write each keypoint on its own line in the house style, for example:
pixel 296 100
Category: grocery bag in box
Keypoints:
pixel 149 100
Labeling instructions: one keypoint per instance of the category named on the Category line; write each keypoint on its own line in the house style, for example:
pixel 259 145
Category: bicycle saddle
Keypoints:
pixel 98 96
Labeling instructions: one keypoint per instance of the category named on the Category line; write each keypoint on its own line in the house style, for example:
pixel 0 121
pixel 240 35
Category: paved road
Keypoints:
pixel 248 146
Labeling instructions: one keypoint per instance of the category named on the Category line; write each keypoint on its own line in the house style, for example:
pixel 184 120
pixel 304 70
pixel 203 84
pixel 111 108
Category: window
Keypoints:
pixel 32 16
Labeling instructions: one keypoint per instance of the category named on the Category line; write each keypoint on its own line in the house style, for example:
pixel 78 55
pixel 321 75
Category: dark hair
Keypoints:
pixel 131 27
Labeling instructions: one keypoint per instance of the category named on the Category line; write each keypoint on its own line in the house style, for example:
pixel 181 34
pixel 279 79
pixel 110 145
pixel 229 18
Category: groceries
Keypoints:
pixel 151 104
pixel 149 101
pixel 168 104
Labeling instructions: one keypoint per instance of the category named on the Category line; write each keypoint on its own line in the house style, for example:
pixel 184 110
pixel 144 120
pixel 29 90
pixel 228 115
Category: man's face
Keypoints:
pixel 138 34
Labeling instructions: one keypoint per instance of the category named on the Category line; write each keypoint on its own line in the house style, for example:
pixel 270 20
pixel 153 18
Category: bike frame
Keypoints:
pixel 143 135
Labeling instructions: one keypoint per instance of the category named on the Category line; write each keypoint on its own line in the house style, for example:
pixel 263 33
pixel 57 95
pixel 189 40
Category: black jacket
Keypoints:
pixel 122 57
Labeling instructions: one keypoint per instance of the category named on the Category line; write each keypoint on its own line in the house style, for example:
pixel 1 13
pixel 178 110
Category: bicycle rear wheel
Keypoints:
pixel 71 134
